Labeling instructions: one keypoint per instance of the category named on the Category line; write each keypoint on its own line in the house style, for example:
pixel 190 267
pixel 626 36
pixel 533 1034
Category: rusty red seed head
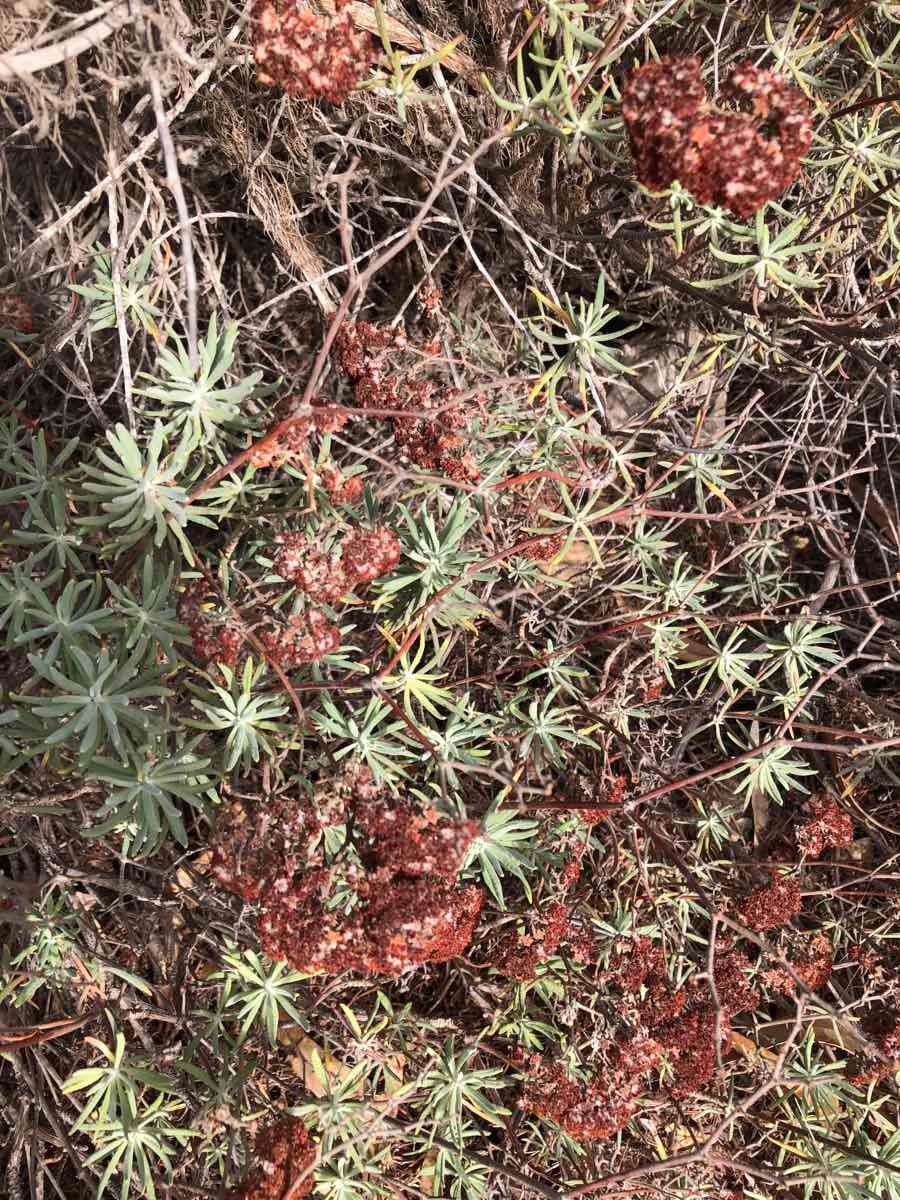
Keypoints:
pixel 722 157
pixel 281 1163
pixel 830 826
pixel 772 904
pixel 308 54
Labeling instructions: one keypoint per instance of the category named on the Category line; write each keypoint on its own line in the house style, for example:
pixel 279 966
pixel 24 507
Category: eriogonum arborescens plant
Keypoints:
pixel 829 826
pixel 365 555
pixel 723 158
pixel 308 54
pixel 771 904
pixel 428 418
pixel 408 907
pixel 680 1025
pixel 281 1164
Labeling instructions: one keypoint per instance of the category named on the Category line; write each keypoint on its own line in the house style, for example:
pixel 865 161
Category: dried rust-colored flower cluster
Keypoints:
pixel 596 799
pixel 283 1158
pixel 288 442
pixel 723 158
pixel 682 1025
pixel 771 904
pixel 881 1026
pixel 518 955
pixel 340 488
pixel 213 637
pixel 829 827
pixel 597 1109
pixel 308 54
pixel 306 636
pixel 362 353
pixel 687 1021
pixel 520 952
pixel 365 555
pixel 542 549
pixel 406 907
pixel 812 961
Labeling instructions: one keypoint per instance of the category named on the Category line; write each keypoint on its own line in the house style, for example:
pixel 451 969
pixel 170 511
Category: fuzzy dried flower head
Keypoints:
pixel 722 158
pixel 399 836
pixel 213 637
pixel 341 488
pixel 321 576
pixel 251 847
pixel 658 101
pixel 360 349
pixel 281 1164
pixel 544 548
pixel 429 421
pixel 881 1026
pixel 408 908
pixel 601 1108
pixel 430 298
pixel 691 1036
pixel 287 442
pixel 771 904
pixel 400 922
pixel 367 554
pixel 812 962
pixel 684 1020
pixel 519 955
pixel 830 826
pixel 324 577
pixel 416 921
pixel 306 638
pixel 598 799
pixel 308 54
